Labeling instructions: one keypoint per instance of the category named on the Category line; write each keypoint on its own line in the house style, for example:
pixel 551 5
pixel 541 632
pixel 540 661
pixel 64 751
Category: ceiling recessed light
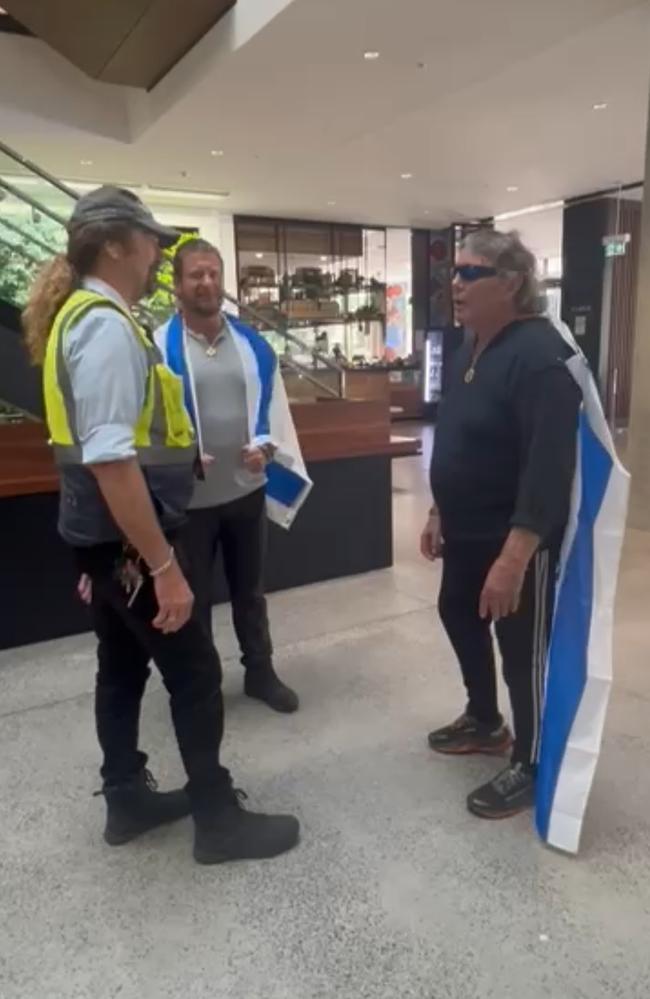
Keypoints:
pixel 406 176
pixel 331 203
pixel 175 194
pixel 371 55
pixel 259 256
pixel 427 212
pixel 600 107
pixel 216 152
pixel 512 189
pixel 86 162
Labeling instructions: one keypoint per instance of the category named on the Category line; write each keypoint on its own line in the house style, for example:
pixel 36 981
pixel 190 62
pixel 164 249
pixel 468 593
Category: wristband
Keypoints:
pixel 165 566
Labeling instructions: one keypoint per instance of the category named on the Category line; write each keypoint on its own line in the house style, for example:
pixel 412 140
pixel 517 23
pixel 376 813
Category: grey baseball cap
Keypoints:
pixel 116 204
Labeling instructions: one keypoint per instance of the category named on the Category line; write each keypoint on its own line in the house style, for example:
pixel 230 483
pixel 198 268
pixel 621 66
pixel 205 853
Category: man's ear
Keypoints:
pixel 113 249
pixel 514 283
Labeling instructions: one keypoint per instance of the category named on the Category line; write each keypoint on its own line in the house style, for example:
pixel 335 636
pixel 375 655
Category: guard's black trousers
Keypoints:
pixel 522 638
pixel 190 669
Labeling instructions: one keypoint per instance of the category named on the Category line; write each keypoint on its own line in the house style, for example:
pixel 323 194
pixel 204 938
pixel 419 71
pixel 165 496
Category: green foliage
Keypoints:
pixel 20 256
pixel 162 302
pixel 16 275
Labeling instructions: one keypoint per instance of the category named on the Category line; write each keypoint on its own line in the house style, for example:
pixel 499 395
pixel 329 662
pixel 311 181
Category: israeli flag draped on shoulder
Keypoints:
pixel 579 672
pixel 269 416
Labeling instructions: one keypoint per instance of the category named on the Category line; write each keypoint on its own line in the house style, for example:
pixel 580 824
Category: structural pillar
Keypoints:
pixel 638 454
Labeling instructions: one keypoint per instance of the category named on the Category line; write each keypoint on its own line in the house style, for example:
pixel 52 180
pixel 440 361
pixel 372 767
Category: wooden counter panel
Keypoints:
pixel 407 399
pixel 369 385
pixel 341 428
pixel 26 463
pixel 326 430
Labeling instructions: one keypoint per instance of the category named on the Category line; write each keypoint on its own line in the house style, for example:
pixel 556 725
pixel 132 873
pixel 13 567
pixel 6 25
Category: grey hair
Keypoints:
pixel 506 252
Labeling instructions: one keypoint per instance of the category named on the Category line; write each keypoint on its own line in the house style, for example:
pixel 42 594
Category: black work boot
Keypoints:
pixel 135 807
pixel 226 831
pixel 265 685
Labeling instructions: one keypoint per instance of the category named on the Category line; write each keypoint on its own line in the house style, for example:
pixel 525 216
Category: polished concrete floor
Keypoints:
pixel 396 891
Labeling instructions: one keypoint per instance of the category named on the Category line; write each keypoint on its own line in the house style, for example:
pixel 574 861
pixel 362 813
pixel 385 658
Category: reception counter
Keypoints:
pixel 400 386
pixel 345 527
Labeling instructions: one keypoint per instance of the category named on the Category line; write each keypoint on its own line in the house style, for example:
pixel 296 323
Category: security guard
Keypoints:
pixel 126 452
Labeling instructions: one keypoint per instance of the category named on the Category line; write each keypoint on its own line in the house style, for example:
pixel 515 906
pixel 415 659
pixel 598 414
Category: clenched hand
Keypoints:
pixel 431 538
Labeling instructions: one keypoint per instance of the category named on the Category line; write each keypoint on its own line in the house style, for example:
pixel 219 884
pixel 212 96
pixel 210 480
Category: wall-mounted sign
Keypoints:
pixel 579 318
pixel 616 245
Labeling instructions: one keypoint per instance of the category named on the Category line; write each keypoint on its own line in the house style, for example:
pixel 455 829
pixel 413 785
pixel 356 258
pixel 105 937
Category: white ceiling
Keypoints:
pixel 541 231
pixel 469 96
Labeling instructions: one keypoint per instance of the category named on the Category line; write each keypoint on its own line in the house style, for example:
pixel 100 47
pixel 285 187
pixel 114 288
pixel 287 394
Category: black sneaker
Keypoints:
pixel 228 832
pixel 265 685
pixel 466 735
pixel 136 806
pixel 510 792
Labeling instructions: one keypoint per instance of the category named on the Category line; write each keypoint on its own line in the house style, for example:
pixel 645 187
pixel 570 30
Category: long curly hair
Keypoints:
pixel 62 275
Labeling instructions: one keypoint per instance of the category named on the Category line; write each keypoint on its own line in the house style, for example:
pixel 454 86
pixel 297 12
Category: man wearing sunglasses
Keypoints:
pixel 501 475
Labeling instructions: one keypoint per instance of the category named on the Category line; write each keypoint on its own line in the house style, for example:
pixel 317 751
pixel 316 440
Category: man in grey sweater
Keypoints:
pixel 228 509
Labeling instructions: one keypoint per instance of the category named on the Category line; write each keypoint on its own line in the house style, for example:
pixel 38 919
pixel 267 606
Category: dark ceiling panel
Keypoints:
pixel 130 42
pixel 161 38
pixel 86 33
pixel 10 26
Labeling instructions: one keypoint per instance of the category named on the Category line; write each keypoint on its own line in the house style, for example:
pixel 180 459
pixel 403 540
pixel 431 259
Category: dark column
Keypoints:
pixel 598 294
pixel 638 454
pixel 432 258
pixel 583 273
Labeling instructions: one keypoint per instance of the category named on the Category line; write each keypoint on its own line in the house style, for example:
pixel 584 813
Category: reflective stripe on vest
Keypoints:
pixel 163 434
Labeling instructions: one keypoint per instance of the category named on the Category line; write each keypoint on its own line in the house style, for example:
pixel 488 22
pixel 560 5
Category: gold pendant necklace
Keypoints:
pixel 470 374
pixel 209 348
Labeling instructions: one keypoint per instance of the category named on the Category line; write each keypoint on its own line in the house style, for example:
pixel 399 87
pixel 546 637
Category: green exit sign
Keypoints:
pixel 615 246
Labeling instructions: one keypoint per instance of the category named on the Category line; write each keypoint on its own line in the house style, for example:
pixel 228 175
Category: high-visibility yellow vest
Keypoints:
pixel 163 434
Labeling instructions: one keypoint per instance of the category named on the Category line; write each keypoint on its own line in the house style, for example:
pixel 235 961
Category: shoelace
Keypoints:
pixel 149 781
pixel 509 779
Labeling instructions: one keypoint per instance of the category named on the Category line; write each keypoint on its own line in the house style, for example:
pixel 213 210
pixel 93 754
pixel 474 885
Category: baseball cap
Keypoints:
pixel 117 204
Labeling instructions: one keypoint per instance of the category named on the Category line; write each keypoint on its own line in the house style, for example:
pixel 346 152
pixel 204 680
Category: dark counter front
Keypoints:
pixel 344 528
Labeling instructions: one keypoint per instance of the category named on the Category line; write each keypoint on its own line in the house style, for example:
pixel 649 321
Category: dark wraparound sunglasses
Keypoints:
pixel 473 272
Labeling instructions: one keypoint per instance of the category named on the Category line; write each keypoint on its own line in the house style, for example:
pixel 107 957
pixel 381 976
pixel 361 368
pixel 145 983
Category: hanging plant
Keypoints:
pixel 163 302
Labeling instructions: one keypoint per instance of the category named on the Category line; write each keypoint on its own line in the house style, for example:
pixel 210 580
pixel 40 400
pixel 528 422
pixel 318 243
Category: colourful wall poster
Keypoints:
pixel 395 320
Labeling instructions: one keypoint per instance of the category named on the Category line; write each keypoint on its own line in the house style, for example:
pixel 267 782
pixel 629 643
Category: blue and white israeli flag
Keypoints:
pixel 269 417
pixel 579 668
